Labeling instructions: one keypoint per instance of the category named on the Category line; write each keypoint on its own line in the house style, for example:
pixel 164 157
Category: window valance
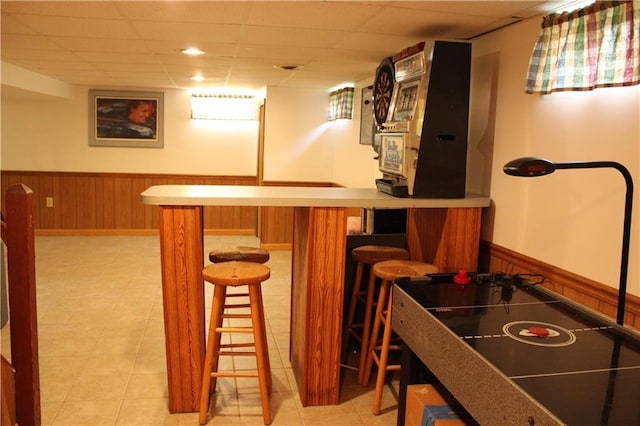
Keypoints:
pixel 597 46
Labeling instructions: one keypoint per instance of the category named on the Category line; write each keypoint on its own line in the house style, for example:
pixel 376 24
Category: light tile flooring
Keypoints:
pixel 102 355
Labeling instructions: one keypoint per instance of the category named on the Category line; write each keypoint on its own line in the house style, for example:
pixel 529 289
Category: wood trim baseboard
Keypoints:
pixel 590 293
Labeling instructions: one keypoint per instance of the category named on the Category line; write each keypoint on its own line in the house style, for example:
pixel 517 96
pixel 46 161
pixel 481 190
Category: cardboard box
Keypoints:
pixel 428 405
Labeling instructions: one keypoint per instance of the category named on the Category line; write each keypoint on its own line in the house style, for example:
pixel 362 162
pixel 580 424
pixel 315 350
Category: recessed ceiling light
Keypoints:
pixel 288 67
pixel 192 51
pixel 198 78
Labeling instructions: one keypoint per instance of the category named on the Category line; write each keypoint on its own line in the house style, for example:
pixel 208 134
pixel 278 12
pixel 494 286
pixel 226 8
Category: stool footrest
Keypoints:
pixel 237 316
pixel 236 353
pixel 232 374
pixel 238 306
pixel 234 330
pixel 238 345
pixel 237 294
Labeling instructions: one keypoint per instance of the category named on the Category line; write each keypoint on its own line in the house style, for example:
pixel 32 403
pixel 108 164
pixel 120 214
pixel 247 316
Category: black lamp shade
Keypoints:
pixel 529 167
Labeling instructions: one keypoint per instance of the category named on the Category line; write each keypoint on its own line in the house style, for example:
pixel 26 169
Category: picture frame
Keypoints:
pixel 128 119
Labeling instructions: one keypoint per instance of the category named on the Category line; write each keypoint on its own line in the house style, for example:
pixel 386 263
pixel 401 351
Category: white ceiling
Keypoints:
pixel 137 44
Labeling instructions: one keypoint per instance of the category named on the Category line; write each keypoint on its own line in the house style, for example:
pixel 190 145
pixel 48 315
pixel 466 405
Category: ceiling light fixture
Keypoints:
pixel 288 67
pixel 193 51
pixel 198 78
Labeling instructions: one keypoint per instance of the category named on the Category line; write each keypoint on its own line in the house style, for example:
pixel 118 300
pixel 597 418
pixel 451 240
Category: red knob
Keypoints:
pixel 462 277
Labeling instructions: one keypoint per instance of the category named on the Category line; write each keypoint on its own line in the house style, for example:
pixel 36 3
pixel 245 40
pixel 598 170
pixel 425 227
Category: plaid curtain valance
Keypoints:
pixel 341 104
pixel 597 46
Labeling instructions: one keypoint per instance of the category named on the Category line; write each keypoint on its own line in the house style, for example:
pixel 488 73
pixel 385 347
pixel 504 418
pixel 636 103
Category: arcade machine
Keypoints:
pixel 421 108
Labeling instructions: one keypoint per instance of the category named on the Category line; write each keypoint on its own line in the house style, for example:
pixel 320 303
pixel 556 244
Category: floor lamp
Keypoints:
pixel 535 166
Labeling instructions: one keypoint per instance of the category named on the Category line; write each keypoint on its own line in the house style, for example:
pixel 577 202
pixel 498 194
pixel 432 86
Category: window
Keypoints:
pixel 341 104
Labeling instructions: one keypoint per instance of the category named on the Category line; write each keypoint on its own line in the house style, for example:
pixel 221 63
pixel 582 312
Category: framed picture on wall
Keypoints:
pixel 126 119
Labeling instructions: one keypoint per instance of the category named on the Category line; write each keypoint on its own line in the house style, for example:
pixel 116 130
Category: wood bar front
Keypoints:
pixel 445 232
pixel 181 251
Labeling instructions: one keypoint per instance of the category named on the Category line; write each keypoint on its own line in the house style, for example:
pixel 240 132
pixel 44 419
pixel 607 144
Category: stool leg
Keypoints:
pixel 352 310
pixel 366 329
pixel 373 338
pixel 213 346
pixel 384 359
pixel 264 337
pixel 262 352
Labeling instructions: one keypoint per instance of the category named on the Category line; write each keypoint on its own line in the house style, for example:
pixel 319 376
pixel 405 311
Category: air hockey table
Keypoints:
pixel 516 353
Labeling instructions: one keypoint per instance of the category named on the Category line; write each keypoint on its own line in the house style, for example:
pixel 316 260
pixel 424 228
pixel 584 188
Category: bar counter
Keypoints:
pixel 445 232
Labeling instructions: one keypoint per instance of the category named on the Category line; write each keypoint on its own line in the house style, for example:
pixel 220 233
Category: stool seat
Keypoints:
pixel 241 253
pixel 371 254
pixel 233 274
pixel 393 269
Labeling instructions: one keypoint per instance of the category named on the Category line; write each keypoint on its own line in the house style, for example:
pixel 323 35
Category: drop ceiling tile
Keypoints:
pixel 78 27
pixel 28 41
pixel 342 16
pixel 290 37
pixel 210 12
pixel 80 9
pixel 187 32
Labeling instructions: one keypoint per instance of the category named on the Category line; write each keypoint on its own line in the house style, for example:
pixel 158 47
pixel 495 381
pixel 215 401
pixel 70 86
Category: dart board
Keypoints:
pixel 382 90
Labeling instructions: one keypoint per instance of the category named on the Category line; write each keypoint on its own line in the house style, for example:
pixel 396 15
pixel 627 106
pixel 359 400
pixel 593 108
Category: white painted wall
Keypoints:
pixel 301 145
pixel 573 218
pixel 51 134
pixel 354 164
pixel 297 147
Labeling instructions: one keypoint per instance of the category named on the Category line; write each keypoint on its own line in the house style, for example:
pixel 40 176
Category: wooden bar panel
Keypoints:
pixel 181 251
pixel 318 267
pixel 447 237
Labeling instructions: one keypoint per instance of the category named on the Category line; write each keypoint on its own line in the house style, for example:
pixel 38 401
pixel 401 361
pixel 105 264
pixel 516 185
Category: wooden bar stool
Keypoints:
pixel 234 274
pixel 241 253
pixel 365 255
pixel 387 271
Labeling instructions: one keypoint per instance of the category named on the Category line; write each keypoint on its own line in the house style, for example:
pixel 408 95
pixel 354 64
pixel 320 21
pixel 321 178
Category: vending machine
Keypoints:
pixel 421 108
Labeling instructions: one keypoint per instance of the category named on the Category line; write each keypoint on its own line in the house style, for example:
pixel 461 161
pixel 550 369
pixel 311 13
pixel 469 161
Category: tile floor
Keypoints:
pixel 102 349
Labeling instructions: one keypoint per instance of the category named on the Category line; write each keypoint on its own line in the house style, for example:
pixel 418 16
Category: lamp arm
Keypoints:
pixel 626 233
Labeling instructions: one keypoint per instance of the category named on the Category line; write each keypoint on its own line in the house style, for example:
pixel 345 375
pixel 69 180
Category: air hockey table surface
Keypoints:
pixel 520 354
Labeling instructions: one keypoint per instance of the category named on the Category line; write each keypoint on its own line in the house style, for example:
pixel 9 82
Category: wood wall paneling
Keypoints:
pixel 594 295
pixel 95 202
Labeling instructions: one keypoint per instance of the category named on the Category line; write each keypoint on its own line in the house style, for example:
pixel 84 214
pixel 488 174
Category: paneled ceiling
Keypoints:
pixel 124 44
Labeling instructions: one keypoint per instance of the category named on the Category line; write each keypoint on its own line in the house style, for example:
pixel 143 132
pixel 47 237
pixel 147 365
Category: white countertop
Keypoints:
pixel 294 196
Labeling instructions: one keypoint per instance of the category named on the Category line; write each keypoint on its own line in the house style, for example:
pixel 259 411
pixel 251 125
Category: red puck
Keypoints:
pixel 539 331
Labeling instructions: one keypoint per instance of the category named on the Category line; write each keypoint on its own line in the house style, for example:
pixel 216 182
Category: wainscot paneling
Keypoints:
pixel 594 295
pixel 276 223
pixel 110 203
